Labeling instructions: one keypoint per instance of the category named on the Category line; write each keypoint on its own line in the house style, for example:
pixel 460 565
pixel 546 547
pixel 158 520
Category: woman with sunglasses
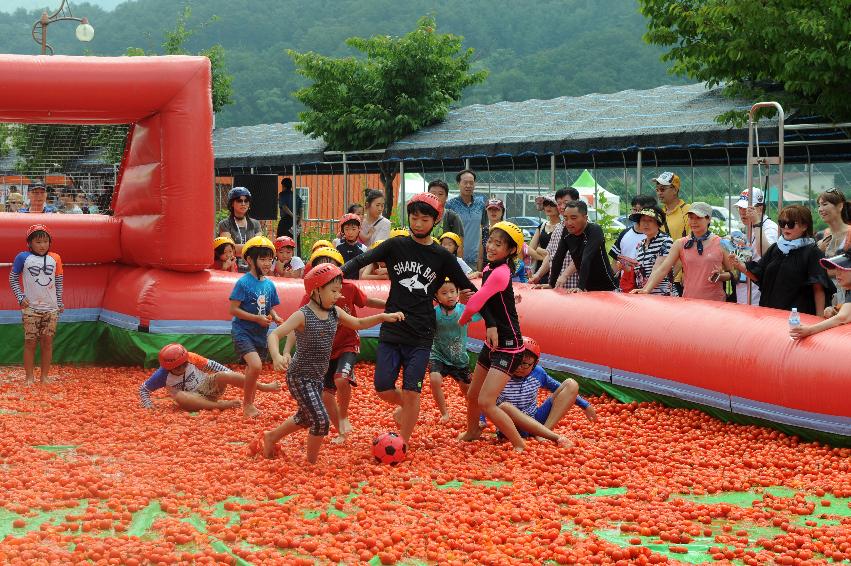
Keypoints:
pixel 238 225
pixel 789 274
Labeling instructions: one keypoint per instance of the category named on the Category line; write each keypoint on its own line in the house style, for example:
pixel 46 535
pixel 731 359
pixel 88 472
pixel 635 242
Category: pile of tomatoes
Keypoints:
pixel 88 476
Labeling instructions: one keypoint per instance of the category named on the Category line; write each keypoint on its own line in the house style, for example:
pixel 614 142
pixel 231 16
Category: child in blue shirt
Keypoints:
pixel 251 303
pixel 519 398
pixel 448 355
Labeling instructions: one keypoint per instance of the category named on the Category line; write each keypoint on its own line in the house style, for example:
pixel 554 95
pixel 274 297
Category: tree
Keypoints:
pixel 797 53
pixel 402 84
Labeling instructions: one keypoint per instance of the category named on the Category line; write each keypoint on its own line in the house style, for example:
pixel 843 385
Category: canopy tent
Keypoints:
pixel 591 191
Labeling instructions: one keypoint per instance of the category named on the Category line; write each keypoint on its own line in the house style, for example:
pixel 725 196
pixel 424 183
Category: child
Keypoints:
pixel 40 271
pixel 287 264
pixel 503 348
pixel 449 351
pixel 416 268
pixel 340 377
pixel 519 399
pixel 224 254
pixel 251 303
pixel 396 232
pixel 375 271
pixel 350 246
pixel 455 245
pixel 314 324
pixel 194 382
pixel 835 315
pixel 321 244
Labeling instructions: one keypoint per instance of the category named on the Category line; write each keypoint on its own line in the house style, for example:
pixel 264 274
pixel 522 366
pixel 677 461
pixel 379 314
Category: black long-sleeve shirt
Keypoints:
pixel 588 252
pixel 416 272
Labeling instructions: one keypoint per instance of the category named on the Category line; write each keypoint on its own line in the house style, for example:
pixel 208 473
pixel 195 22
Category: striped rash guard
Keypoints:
pixel 197 371
pixel 497 296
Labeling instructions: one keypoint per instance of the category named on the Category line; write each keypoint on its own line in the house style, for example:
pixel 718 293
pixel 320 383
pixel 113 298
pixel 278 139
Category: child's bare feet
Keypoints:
pixel 339 439
pixel 229 404
pixel 470 436
pixel 269 451
pixel 345 427
pixel 563 442
pixel 29 380
pixel 250 411
pixel 444 418
pixel 274 386
pixel 47 379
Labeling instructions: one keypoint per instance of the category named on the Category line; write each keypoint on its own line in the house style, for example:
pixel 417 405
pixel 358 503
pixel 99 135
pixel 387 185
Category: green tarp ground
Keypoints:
pixel 99 343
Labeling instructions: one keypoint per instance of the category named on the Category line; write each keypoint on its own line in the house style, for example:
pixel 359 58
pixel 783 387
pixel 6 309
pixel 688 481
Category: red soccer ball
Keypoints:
pixel 389 448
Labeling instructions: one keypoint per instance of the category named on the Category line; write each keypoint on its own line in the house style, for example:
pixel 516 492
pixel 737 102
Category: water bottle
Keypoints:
pixel 794 319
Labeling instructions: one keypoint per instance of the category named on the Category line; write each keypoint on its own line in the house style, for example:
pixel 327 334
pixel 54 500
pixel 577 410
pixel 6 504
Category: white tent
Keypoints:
pixel 591 191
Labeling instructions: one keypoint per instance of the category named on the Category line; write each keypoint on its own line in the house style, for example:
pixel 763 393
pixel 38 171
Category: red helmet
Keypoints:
pixel 37 228
pixel 172 355
pixel 284 242
pixel 429 199
pixel 351 216
pixel 532 346
pixel 320 275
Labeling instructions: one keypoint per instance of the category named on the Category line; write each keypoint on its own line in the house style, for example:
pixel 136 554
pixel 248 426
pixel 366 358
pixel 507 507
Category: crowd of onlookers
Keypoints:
pixel 62 199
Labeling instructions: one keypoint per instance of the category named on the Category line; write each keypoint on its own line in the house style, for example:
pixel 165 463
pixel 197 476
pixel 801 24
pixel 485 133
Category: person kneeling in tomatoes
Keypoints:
pixel 194 382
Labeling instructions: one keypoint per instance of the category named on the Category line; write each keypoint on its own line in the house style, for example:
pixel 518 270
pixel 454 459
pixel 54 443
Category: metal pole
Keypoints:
pixel 402 217
pixel 553 173
pixel 345 179
pixel 638 173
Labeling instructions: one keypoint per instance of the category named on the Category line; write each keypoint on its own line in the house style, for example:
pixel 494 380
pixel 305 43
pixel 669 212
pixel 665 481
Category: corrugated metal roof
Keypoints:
pixel 265 145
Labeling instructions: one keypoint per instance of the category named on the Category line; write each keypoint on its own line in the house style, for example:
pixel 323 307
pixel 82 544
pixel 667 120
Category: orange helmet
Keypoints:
pixel 350 217
pixel 429 199
pixel 320 276
pixel 284 242
pixel 532 346
pixel 37 228
pixel 172 355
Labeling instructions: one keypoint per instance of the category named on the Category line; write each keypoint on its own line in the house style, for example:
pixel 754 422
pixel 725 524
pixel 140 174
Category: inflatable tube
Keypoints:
pixel 77 238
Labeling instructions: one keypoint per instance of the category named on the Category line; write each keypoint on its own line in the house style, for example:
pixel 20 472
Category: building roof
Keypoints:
pixel 265 145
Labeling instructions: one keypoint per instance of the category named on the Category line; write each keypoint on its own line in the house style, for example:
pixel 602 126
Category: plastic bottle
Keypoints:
pixel 794 319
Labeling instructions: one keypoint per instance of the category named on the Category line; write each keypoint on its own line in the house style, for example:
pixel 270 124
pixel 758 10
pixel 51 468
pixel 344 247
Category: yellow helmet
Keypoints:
pixel 327 252
pixel 375 244
pixel 459 243
pixel 223 240
pixel 515 233
pixel 258 242
pixel 321 244
pixel 399 232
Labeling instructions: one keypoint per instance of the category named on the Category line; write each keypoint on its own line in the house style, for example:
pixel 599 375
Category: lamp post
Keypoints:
pixel 85 31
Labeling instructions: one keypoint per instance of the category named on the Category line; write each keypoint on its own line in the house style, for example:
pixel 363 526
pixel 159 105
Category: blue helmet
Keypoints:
pixel 237 192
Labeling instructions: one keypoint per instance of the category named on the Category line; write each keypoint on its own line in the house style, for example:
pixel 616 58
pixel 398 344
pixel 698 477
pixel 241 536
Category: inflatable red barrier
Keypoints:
pixel 78 238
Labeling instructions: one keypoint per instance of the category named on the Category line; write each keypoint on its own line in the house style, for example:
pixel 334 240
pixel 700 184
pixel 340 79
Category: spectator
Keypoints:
pixel 471 208
pixel 375 226
pixel 37 194
pixel 355 208
pixel 625 249
pixel 562 196
pixel 289 209
pixel 541 237
pixel 67 201
pixel 14 202
pixel 789 274
pixel 703 260
pixel 238 225
pixel 835 315
pixel 451 220
pixel 585 242
pixel 836 212
pixel 676 212
pixel 652 250
pixel 764 234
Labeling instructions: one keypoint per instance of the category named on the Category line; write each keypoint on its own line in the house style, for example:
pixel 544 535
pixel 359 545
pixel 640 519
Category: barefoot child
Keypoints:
pixel 40 271
pixel 416 267
pixel 287 264
pixel 315 325
pixel 340 377
pixel 449 351
pixel 194 382
pixel 503 348
pixel 224 254
pixel 251 303
pixel 834 315
pixel 519 399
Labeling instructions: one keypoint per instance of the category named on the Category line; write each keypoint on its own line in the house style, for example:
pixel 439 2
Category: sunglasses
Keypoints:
pixel 242 200
pixel 663 188
pixel 786 223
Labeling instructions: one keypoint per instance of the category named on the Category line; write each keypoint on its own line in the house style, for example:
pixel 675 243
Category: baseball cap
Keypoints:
pixel 636 216
pixel 37 187
pixel 842 262
pixel 758 197
pixel 495 203
pixel 700 209
pixel 668 178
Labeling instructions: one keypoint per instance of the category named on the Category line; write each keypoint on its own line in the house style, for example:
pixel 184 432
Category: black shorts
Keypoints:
pixel 390 357
pixel 341 367
pixel 505 362
pixel 460 374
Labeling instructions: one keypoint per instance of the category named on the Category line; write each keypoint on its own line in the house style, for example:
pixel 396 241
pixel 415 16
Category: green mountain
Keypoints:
pixel 541 49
